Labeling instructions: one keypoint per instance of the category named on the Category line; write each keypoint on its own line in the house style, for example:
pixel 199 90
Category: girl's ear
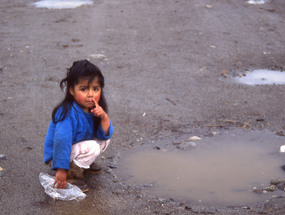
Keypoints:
pixel 71 91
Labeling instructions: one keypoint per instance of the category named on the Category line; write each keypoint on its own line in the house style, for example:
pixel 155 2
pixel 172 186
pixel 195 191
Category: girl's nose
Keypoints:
pixel 90 93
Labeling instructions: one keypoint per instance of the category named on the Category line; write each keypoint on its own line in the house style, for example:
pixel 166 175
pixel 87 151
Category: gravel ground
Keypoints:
pixel 169 68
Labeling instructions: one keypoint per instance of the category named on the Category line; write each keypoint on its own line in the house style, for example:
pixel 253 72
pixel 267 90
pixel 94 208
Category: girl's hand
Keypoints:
pixel 60 178
pixel 98 111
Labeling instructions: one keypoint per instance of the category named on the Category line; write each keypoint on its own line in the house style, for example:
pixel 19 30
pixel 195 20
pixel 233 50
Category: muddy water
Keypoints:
pixel 262 77
pixel 219 170
pixel 61 4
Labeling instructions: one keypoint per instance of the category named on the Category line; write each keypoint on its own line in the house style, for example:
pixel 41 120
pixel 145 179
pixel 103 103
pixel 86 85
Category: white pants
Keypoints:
pixel 84 153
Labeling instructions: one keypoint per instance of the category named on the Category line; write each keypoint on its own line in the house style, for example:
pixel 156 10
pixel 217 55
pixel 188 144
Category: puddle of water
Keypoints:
pixel 257 1
pixel 262 77
pixel 220 170
pixel 61 4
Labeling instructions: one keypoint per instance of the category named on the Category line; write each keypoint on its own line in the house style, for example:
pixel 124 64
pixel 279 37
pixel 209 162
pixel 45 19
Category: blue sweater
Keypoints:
pixel 76 126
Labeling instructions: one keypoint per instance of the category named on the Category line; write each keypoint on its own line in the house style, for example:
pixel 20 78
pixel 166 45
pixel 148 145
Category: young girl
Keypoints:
pixel 80 128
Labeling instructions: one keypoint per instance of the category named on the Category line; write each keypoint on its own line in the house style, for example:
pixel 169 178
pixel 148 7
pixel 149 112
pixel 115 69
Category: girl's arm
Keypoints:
pixel 99 112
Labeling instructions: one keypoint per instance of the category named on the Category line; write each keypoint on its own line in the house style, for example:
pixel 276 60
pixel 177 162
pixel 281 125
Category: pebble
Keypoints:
pixel 280 133
pixel 194 138
pixel 188 144
pixel 281 186
pixel 112 166
pixel 257 190
pixel 270 188
pixel 1 171
pixel 2 157
pixel 282 148
pixel 277 181
pixel 188 208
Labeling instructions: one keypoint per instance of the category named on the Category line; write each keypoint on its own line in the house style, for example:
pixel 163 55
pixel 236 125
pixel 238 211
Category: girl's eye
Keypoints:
pixel 96 89
pixel 83 89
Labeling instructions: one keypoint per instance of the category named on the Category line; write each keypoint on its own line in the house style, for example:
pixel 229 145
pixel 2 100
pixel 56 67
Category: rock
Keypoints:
pixel 157 148
pixel 280 133
pixel 1 171
pixel 277 181
pixel 282 148
pixel 175 143
pixel 194 138
pixel 112 166
pixel 270 188
pixel 257 190
pixel 188 208
pixel 188 145
pixel 281 186
pixel 2 157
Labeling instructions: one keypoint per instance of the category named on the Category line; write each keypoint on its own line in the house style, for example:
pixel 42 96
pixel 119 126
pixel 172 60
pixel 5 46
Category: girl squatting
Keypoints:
pixel 80 129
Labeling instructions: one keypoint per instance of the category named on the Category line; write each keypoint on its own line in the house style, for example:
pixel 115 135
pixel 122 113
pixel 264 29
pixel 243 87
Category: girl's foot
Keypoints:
pixel 75 171
pixel 82 186
pixel 79 183
pixel 94 168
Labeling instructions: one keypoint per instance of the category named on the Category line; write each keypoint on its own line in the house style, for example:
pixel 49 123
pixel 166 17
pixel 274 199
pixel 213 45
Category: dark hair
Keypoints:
pixel 80 70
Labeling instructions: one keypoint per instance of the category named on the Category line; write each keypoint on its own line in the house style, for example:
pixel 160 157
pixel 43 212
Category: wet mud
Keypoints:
pixel 221 170
pixel 169 69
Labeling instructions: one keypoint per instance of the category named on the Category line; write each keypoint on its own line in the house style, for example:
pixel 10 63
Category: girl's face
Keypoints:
pixel 84 93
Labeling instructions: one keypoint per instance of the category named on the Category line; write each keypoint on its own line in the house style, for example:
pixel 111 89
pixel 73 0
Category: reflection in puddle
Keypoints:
pixel 257 1
pixel 61 4
pixel 221 170
pixel 262 77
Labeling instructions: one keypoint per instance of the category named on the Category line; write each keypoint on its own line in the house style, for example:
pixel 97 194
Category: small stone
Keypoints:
pixel 194 138
pixel 260 120
pixel 2 157
pixel 270 188
pixel 112 166
pixel 277 181
pixel 176 143
pixel 281 186
pixel 189 144
pixel 257 190
pixel 282 148
pixel 157 147
pixel 188 208
pixel 147 185
pixel 280 133
pixel 1 171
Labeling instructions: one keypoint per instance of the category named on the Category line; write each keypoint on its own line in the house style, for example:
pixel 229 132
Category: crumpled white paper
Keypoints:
pixel 71 192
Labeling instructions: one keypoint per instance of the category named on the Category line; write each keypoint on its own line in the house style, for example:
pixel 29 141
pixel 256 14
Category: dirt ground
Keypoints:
pixel 163 62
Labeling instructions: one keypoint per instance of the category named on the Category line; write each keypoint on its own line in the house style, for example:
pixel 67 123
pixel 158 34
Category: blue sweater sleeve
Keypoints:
pixel 62 144
pixel 48 152
pixel 100 133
